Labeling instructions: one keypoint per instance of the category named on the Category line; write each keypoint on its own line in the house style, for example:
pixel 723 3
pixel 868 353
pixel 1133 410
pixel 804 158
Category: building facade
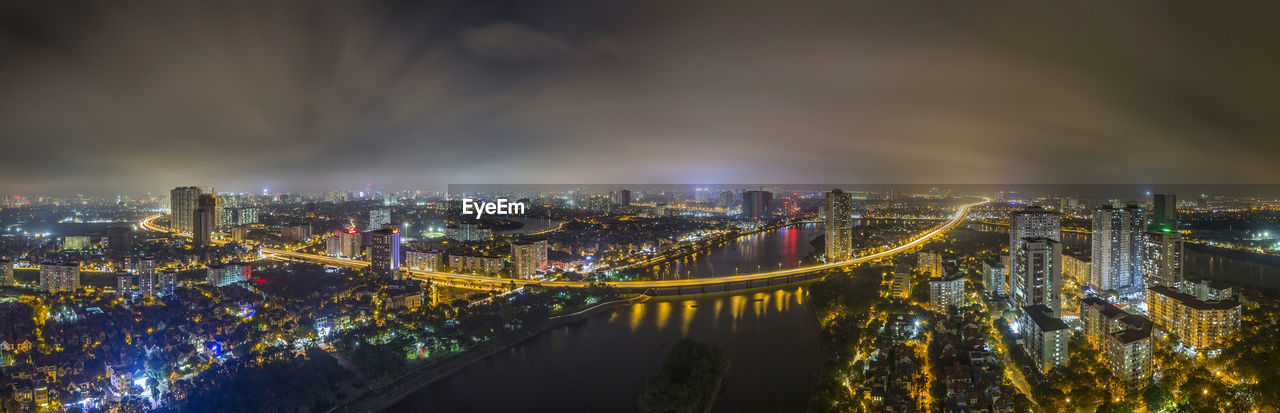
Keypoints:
pixel 221 275
pixel 929 263
pixel 59 277
pixel 529 258
pixel 148 281
pixel 945 292
pixel 384 251
pixel 839 226
pixel 993 278
pixel 757 204
pixel 1162 258
pixel 182 208
pixel 424 260
pixel 1117 248
pixel 1123 337
pixel 1201 325
pixel 1038 262
pixel 1044 337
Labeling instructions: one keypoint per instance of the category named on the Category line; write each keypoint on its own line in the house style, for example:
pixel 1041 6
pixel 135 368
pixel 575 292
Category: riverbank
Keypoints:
pixel 423 376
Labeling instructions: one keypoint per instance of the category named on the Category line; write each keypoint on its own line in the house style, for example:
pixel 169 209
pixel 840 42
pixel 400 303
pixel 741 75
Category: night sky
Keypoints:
pixel 106 96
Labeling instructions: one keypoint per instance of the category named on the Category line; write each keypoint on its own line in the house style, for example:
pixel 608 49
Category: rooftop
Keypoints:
pixel 1040 314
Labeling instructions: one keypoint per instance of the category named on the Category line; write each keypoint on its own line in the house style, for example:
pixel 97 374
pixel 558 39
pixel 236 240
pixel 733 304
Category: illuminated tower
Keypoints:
pixel 384 251
pixel 182 208
pixel 204 220
pixel 839 237
pixel 1117 248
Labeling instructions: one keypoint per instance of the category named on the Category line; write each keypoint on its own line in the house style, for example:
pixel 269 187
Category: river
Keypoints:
pixel 603 363
pixel 768 250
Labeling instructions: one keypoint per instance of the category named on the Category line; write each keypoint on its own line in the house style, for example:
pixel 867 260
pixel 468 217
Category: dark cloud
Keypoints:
pixel 142 96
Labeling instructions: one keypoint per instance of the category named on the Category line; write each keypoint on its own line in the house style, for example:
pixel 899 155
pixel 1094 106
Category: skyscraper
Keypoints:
pixel 757 204
pixel 182 208
pixel 1039 264
pixel 622 197
pixel 726 199
pixel 384 251
pixel 148 282
pixel 378 218
pixel 1162 258
pixel 945 292
pixel 1117 248
pixel 1164 213
pixel 529 257
pixel 6 274
pixel 1030 222
pixel 124 285
pixel 1033 222
pixel 204 221
pixel 119 238
pixel 839 237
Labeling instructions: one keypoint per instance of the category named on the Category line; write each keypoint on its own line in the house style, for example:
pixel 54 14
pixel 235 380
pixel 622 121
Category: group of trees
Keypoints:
pixel 842 303
pixel 283 385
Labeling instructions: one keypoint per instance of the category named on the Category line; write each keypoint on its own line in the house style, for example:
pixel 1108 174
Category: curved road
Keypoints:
pixel 480 282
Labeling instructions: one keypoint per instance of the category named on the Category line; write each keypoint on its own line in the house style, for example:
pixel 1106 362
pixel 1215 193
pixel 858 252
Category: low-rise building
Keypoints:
pixel 59 277
pixel 220 275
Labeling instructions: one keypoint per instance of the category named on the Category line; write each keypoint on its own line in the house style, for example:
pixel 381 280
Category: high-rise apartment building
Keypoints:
pixel 1201 325
pixel 6 274
pixel 59 277
pixel 119 238
pixel 1075 266
pixel 182 208
pixel 204 221
pixel 529 258
pixel 900 284
pixel 726 199
pixel 621 197
pixel 757 204
pixel 993 278
pixel 344 243
pixel 945 292
pixel 424 260
pixel 1123 337
pixel 839 226
pixel 296 231
pixel 378 218
pixel 1117 248
pixel 1162 258
pixel 1033 222
pixel 1030 222
pixel 1038 264
pixel 929 263
pixel 148 280
pixel 1164 213
pixel 1044 337
pixel 384 251
pixel 124 285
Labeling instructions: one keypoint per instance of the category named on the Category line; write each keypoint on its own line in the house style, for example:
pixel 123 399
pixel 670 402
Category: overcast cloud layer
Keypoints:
pixel 98 97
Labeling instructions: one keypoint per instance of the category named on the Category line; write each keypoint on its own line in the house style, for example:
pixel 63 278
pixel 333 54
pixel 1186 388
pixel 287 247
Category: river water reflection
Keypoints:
pixel 603 363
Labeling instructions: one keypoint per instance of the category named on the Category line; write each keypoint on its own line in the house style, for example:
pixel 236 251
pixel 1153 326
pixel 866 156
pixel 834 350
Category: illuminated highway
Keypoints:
pixel 481 282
